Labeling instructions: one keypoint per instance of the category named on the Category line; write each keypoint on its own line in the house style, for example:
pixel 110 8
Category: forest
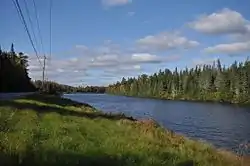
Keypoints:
pixel 90 89
pixel 54 87
pixel 14 72
pixel 202 83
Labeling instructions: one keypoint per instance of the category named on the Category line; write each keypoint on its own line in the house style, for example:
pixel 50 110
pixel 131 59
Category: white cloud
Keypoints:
pixel 165 41
pixel 122 71
pixel 60 70
pixel 225 21
pixel 106 58
pixel 34 68
pixel 137 67
pixel 73 59
pixel 81 47
pixel 201 62
pixel 105 61
pixel 110 3
pixel 145 57
pixel 232 48
pixel 81 67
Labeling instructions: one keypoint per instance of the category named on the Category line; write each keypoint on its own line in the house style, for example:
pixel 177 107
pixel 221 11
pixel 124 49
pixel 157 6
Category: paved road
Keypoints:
pixel 8 96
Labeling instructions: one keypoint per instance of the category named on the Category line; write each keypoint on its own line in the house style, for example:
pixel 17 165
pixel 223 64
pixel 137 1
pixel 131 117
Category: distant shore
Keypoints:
pixel 186 100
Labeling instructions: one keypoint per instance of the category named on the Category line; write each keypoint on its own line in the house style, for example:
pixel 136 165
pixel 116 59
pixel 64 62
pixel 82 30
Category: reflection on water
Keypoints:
pixel 225 126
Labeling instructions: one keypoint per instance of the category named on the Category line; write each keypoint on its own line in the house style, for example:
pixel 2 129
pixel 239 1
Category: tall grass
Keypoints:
pixel 47 130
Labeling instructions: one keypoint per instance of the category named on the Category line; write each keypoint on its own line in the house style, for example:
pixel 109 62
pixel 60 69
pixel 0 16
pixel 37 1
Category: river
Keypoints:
pixel 223 125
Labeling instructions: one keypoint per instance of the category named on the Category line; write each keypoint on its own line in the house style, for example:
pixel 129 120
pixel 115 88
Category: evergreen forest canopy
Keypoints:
pixel 14 73
pixel 205 83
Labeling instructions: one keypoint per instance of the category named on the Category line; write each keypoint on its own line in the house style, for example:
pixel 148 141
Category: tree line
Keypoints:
pixel 14 72
pixel 52 87
pixel 207 83
pixel 91 89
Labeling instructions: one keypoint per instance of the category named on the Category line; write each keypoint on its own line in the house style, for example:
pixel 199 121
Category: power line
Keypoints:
pixel 50 30
pixel 38 26
pixel 17 10
pixel 20 13
pixel 31 23
pixel 41 41
pixel 44 65
pixel 50 37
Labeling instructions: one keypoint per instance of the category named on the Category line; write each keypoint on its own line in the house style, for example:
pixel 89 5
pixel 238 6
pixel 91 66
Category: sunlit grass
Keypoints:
pixel 47 130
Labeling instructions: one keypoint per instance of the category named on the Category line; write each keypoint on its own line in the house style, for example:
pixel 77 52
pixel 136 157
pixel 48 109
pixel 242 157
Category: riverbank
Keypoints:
pixel 48 130
pixel 187 100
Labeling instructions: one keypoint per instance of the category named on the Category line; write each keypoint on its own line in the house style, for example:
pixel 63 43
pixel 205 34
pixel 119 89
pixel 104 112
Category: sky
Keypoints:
pixel 97 42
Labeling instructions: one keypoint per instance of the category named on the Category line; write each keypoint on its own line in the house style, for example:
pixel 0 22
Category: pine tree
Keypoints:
pixel 207 82
pixel 13 74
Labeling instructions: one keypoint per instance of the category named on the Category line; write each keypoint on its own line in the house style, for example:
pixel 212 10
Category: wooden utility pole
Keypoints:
pixel 44 64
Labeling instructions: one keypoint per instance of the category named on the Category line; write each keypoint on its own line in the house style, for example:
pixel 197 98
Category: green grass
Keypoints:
pixel 47 130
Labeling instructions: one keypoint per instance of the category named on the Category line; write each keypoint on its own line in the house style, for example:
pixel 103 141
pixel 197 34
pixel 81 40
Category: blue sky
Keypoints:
pixel 97 42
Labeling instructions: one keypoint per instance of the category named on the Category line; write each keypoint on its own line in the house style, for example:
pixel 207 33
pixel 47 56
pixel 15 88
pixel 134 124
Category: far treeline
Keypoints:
pixel 54 87
pixel 204 83
pixel 14 77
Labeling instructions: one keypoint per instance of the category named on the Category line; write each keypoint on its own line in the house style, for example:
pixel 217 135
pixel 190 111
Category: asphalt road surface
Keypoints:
pixel 8 96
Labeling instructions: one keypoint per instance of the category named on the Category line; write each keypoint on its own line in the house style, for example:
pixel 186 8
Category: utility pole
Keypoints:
pixel 44 64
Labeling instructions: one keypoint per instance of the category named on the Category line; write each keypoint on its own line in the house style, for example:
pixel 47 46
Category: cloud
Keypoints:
pixel 121 71
pixel 111 3
pixel 105 61
pixel 35 67
pixel 116 74
pixel 104 58
pixel 60 70
pixel 145 57
pixel 137 67
pixel 225 21
pixel 81 67
pixel 165 41
pixel 83 47
pixel 201 62
pixel 232 48
pixel 151 58
pixel 241 37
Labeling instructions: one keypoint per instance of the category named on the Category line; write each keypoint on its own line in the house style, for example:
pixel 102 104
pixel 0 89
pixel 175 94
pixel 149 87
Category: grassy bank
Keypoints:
pixel 47 130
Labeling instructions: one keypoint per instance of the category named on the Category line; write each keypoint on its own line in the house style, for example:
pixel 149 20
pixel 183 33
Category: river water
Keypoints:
pixel 224 126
